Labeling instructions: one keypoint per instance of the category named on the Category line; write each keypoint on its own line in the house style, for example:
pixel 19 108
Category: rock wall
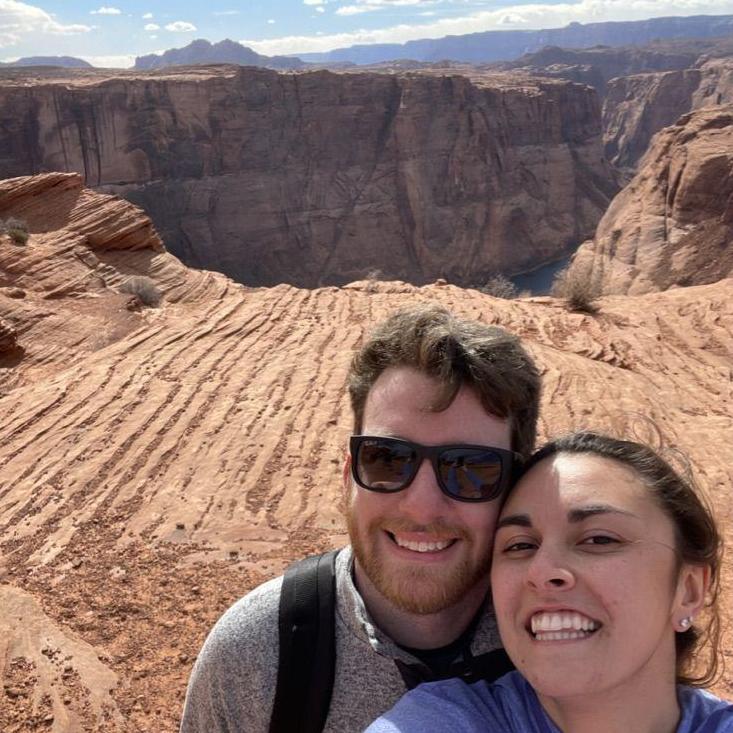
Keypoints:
pixel 320 178
pixel 598 65
pixel 673 223
pixel 636 107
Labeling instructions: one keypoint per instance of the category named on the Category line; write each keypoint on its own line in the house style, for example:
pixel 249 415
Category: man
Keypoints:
pixel 412 589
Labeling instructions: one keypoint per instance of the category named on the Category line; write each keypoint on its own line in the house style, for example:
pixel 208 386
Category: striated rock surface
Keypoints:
pixel 157 465
pixel 637 107
pixel 673 223
pixel 320 178
pixel 8 337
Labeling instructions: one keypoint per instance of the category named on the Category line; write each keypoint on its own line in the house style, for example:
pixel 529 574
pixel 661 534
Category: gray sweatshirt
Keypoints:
pixel 232 684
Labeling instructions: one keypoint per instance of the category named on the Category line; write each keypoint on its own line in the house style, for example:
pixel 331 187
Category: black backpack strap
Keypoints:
pixel 307 659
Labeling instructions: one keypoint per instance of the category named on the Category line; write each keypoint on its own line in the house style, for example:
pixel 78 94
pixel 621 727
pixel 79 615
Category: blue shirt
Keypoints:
pixel 510 705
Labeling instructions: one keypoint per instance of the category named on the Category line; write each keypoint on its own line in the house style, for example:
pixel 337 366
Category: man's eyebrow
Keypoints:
pixel 582 513
pixel 515 520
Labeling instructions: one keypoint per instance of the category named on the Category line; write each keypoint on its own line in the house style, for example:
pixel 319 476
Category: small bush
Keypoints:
pixel 579 287
pixel 372 278
pixel 499 287
pixel 147 292
pixel 16 229
pixel 18 236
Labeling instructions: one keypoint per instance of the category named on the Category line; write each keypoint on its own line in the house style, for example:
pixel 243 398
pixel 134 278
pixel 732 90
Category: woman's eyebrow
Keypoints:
pixel 574 515
pixel 516 520
pixel 582 513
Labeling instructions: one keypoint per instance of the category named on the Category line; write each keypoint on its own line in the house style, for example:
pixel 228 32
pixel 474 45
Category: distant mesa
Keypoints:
pixel 68 62
pixel 202 51
pixel 490 46
pixel 598 65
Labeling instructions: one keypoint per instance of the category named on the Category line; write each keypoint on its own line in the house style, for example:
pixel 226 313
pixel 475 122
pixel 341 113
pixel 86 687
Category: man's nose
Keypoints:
pixel 423 500
pixel 550 569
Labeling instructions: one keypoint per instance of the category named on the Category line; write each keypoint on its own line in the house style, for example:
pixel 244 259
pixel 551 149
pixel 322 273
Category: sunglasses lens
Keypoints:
pixel 474 475
pixel 384 465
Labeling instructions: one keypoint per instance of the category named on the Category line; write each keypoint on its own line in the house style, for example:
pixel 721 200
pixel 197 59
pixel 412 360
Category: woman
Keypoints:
pixel 604 579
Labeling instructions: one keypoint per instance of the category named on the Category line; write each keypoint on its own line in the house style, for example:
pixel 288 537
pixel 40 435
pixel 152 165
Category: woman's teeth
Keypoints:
pixel 422 546
pixel 561 626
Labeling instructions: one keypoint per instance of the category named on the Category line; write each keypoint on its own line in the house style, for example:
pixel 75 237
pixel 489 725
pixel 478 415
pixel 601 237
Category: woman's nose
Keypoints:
pixel 550 570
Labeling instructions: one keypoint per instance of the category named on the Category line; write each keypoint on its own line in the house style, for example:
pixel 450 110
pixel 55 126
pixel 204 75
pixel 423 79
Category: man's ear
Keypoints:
pixel 692 588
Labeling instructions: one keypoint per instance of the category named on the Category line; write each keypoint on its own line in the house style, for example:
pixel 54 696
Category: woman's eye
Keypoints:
pixel 600 539
pixel 520 546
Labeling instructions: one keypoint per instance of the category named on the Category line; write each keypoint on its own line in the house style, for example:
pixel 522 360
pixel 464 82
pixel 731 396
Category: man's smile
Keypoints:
pixel 422 545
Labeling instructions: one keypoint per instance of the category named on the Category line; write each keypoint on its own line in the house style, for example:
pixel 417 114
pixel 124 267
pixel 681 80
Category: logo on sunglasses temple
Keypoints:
pixel 470 473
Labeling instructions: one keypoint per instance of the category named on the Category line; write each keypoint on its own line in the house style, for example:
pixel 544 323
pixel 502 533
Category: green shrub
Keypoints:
pixel 147 292
pixel 16 229
pixel 18 236
pixel 499 286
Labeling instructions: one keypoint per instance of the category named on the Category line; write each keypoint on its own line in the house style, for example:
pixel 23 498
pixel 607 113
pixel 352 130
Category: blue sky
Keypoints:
pixel 112 33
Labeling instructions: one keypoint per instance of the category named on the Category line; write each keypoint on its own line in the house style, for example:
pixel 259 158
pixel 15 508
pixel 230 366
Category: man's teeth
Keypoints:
pixel 563 625
pixel 422 546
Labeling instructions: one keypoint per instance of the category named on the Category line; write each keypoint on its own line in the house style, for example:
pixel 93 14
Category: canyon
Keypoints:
pixel 157 463
pixel 638 106
pixel 321 178
pixel 672 225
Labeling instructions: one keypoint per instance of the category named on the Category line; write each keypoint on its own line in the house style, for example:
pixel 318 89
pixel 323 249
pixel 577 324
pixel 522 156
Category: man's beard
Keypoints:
pixel 417 588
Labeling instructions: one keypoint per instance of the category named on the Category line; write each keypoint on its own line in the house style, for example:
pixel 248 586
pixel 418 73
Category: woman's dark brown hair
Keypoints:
pixel 697 536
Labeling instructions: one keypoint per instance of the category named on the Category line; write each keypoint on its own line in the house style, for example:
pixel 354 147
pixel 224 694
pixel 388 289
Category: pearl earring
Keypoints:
pixel 685 623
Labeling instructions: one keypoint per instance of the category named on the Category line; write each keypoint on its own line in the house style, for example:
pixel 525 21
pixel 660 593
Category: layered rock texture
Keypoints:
pixel 321 178
pixel 158 463
pixel 638 106
pixel 673 223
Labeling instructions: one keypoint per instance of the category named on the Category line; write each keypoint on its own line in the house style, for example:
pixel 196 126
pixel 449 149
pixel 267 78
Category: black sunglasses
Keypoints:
pixel 463 472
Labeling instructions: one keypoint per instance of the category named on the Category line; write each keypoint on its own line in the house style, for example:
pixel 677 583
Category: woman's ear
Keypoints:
pixel 692 588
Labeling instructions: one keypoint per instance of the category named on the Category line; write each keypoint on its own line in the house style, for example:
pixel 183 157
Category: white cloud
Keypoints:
pixel 152 38
pixel 353 9
pixel 105 10
pixel 271 21
pixel 18 20
pixel 147 16
pixel 227 12
pixel 152 27
pixel 533 16
pixel 180 26
pixel 313 2
pixel 367 6
pixel 320 9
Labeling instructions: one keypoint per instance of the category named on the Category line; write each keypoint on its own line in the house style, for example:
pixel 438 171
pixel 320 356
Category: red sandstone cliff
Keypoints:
pixel 158 463
pixel 673 223
pixel 637 107
pixel 320 178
